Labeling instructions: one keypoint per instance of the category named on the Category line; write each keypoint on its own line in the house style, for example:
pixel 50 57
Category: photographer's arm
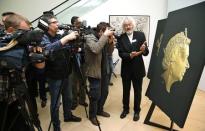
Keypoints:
pixel 48 45
pixel 96 45
pixel 72 36
pixel 58 44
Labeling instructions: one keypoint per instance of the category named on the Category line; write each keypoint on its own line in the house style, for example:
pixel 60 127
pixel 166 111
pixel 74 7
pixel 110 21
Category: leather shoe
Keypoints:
pixel 111 84
pixel 83 104
pixel 103 113
pixel 136 117
pixel 94 121
pixel 74 106
pixel 56 128
pixel 72 118
pixel 123 114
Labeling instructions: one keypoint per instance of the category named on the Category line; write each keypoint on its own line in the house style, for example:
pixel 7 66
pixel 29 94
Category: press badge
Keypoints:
pixel 134 40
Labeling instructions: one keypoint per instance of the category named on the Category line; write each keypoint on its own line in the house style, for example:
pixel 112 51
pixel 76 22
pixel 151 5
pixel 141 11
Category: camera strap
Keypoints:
pixel 11 44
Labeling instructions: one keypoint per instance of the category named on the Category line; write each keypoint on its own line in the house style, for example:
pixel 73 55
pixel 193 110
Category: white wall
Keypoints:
pixel 32 9
pixel 178 4
pixel 29 8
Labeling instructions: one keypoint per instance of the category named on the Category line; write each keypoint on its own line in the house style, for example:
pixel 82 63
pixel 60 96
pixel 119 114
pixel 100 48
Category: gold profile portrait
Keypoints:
pixel 175 61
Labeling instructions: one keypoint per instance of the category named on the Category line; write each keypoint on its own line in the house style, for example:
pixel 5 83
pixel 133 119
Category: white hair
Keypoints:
pixel 128 19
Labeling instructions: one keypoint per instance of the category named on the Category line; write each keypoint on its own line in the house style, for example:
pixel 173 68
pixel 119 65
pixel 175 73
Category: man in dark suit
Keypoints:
pixel 131 46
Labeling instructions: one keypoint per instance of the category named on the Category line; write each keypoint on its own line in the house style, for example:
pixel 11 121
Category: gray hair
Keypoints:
pixel 128 19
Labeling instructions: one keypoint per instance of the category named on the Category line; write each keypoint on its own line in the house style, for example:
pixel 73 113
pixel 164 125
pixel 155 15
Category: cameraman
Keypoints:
pixel 58 70
pixel 11 116
pixel 77 64
pixel 3 17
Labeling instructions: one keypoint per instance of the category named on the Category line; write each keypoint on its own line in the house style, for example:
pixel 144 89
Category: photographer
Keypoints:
pixel 93 57
pixel 11 77
pixel 58 70
pixel 3 17
pixel 76 81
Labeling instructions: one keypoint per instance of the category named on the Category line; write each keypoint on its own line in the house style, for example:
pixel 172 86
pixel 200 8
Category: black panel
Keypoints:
pixel 177 103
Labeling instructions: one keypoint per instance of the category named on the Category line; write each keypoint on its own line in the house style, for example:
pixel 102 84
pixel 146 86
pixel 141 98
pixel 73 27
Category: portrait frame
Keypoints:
pixel 142 24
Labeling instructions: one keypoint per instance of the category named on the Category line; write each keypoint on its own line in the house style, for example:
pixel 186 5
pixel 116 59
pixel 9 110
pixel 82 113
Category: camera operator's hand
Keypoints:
pixel 111 39
pixel 37 49
pixel 72 36
pixel 108 32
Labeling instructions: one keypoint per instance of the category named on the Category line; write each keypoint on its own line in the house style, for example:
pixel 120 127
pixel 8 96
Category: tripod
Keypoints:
pixel 17 87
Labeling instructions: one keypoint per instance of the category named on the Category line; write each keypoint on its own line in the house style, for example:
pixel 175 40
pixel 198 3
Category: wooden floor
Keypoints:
pixel 194 122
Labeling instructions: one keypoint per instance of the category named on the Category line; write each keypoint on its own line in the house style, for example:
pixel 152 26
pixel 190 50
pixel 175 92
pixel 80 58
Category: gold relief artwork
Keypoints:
pixel 158 43
pixel 175 61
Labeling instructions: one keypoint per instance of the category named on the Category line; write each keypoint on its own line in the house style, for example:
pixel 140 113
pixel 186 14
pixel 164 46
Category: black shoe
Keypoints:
pixel 72 118
pixel 84 104
pixel 74 106
pixel 111 84
pixel 94 121
pixel 56 128
pixel 123 114
pixel 103 113
pixel 136 117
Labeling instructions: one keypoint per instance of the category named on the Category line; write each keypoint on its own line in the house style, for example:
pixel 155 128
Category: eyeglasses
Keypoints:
pixel 53 22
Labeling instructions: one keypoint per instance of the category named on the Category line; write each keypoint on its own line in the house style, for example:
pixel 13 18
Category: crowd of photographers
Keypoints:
pixel 64 70
pixel 30 60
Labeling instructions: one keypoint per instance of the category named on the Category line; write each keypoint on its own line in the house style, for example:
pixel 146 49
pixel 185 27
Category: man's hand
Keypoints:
pixel 108 32
pixel 72 36
pixel 111 39
pixel 37 49
pixel 143 46
pixel 135 53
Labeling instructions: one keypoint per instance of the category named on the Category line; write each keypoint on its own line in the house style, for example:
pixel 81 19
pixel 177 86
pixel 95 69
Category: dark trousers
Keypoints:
pixel 54 88
pixel 137 86
pixel 95 93
pixel 34 77
pixel 104 92
pixel 77 88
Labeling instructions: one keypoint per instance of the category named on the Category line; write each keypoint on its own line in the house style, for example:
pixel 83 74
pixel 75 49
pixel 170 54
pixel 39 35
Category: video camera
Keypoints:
pixel 67 29
pixel 83 31
pixel 14 51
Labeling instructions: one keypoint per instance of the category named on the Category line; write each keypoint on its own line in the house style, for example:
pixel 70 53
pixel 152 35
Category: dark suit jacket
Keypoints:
pixel 131 67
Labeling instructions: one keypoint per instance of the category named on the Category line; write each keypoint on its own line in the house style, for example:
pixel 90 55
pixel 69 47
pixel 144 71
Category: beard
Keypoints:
pixel 129 32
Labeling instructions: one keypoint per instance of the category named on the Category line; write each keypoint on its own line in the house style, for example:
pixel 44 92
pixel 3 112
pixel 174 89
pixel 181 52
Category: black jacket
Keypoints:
pixel 132 67
pixel 58 64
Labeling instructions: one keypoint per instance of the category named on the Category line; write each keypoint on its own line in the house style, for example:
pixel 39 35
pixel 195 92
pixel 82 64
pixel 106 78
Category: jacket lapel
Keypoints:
pixel 126 43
